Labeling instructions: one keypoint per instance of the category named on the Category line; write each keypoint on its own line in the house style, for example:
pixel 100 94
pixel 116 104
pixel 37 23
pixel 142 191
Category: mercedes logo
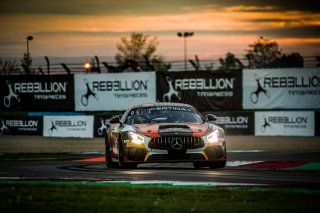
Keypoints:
pixel 176 143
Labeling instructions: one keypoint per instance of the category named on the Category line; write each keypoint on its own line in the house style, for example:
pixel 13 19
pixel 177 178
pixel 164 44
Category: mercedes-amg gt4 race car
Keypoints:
pixel 164 132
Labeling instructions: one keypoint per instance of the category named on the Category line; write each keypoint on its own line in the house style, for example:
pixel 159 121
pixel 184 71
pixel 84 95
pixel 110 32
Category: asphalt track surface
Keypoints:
pixel 274 162
pixel 243 168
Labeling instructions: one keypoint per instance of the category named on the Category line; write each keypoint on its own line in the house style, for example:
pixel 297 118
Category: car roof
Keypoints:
pixel 160 104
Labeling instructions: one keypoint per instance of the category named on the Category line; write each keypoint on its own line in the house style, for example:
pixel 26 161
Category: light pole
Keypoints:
pixel 184 35
pixel 29 38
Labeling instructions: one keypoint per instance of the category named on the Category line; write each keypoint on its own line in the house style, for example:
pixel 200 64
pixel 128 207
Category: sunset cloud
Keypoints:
pixel 83 27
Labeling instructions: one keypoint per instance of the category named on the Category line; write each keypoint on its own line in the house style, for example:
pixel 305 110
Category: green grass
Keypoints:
pixel 121 198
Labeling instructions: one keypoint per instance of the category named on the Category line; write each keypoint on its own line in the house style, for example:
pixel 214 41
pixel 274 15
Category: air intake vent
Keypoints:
pixel 165 126
pixel 165 143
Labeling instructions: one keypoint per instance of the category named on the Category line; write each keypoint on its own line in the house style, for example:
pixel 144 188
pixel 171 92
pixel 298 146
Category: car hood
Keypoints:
pixel 158 130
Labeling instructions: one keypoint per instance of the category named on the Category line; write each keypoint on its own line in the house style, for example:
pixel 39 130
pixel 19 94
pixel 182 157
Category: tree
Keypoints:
pixel 141 48
pixel 26 63
pixel 286 61
pixel 157 63
pixel 262 53
pixel 230 62
pixel 8 67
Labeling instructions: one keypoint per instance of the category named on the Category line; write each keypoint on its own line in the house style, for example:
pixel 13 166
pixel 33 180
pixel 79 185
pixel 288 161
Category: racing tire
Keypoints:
pixel 124 165
pixel 199 165
pixel 221 163
pixel 109 161
pixel 217 164
pixel 128 165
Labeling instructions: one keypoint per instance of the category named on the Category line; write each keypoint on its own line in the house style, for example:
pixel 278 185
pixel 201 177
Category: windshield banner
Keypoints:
pixel 203 89
pixel 295 88
pixel 113 91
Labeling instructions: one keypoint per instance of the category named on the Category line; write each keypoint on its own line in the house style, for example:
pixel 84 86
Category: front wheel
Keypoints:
pixel 217 164
pixel 125 165
pixel 128 165
pixel 198 165
pixel 109 154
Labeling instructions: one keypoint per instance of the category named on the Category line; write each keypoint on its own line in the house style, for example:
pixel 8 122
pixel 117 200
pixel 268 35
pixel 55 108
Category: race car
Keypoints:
pixel 164 133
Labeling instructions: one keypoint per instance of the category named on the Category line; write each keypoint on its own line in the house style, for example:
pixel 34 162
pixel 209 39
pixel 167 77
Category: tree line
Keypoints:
pixel 137 52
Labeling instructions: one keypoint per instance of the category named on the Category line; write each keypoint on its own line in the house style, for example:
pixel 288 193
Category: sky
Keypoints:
pixel 74 28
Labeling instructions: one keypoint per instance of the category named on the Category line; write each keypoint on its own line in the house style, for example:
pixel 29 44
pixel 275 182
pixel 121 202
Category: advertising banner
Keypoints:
pixel 113 91
pixel 68 126
pixel 284 123
pixel 317 120
pixel 235 123
pixel 203 89
pixel 36 93
pixel 22 125
pixel 294 88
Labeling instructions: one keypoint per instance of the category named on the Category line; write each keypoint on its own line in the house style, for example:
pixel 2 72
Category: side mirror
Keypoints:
pixel 115 120
pixel 211 118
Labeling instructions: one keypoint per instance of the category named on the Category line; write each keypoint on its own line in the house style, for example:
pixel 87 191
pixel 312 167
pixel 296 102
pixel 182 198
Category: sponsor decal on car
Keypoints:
pixel 178 130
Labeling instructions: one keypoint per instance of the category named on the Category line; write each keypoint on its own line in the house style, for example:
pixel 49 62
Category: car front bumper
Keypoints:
pixel 142 153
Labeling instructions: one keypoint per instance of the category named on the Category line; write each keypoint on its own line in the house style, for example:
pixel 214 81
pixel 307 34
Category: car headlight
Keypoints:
pixel 136 138
pixel 213 137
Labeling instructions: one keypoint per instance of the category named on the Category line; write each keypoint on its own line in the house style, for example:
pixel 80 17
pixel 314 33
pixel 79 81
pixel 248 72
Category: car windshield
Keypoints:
pixel 163 114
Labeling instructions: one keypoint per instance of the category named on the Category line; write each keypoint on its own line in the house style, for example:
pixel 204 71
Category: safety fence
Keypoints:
pixel 105 64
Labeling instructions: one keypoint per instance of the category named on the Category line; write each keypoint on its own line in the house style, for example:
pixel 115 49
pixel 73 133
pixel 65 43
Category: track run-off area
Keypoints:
pixel 252 162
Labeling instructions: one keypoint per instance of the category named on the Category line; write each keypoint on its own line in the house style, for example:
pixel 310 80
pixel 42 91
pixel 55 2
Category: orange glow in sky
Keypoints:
pixel 87 28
